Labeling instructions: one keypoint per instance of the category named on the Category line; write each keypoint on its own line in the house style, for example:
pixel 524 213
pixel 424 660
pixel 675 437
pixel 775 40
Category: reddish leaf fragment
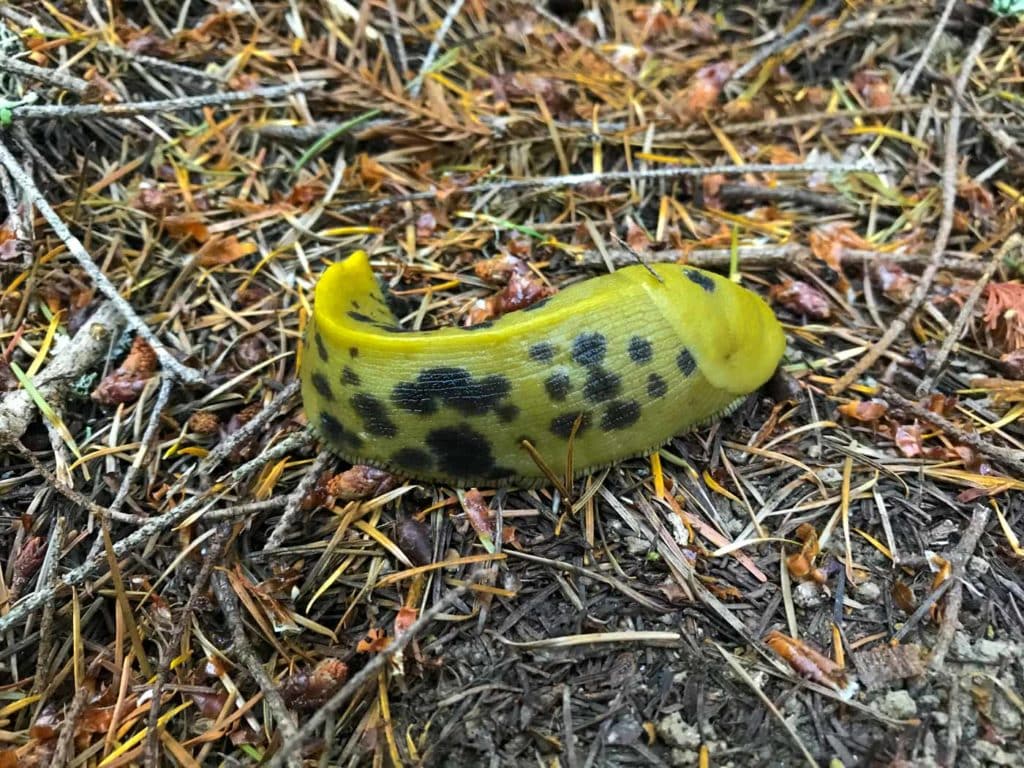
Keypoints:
pixel 908 440
pixel 1004 313
pixel 27 562
pixel 636 237
pixel 803 299
pixel 361 482
pixel 479 514
pixel 500 268
pixel 811 663
pixel 375 640
pixel 1012 364
pixel 405 618
pixel 187 225
pixel 303 195
pixel 869 411
pixel 703 90
pixel 153 199
pixel 903 596
pixel 210 704
pixel 219 251
pixel 874 88
pixel 894 281
pixel 307 691
pixel 126 383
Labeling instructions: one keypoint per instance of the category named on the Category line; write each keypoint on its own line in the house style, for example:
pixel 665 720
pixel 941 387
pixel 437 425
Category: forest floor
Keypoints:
pixel 829 576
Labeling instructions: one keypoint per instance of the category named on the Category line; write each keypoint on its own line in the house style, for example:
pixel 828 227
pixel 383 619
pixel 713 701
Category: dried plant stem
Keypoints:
pixel 949 175
pixel 28 186
pixel 249 429
pixel 294 505
pixel 435 46
pixel 908 81
pixel 148 439
pixel 228 601
pixel 1013 459
pixel 86 111
pixel 610 177
pixel 210 558
pixel 966 312
pixel 51 76
pixel 958 559
pixel 72 358
pixel 363 676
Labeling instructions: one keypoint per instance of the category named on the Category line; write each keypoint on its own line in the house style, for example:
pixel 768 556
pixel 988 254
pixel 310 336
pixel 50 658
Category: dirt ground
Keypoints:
pixel 829 576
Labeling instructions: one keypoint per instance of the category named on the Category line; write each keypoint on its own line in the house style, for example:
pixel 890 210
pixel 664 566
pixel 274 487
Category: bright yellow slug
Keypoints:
pixel 638 356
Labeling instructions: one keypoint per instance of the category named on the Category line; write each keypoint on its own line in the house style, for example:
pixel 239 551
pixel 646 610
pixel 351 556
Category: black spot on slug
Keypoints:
pixel 479 326
pixel 558 385
pixel 589 348
pixel 640 350
pixel 348 376
pixel 322 386
pixel 700 279
pixel 601 385
pixel 374 415
pixel 507 412
pixel 454 387
pixel 656 386
pixel 461 451
pixel 620 414
pixel 413 459
pixel 542 352
pixel 686 362
pixel 561 426
pixel 335 431
pixel 321 349
pixel 353 351
pixel 359 317
pixel 355 304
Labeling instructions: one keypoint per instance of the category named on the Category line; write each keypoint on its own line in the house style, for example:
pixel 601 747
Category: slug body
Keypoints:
pixel 638 356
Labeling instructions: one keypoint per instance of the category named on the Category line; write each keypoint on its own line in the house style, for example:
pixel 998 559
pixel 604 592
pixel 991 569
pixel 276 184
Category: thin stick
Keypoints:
pixel 364 675
pixel 210 558
pixel 228 601
pixel 86 111
pixel 51 76
pixel 148 438
pixel 294 506
pixel 1011 458
pixel 579 179
pixel 951 612
pixel 936 366
pixel 35 197
pixel 908 81
pixel 435 47
pixel 949 172
pixel 249 429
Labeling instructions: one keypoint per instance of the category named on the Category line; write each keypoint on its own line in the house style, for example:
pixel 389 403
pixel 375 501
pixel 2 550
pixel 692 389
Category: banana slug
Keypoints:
pixel 638 356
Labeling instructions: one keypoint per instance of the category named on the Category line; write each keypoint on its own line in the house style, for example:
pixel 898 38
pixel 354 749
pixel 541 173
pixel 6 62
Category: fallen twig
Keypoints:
pixel 966 312
pixel 958 559
pixel 72 358
pixel 949 176
pixel 74 245
pixel 364 675
pixel 609 177
pixel 220 99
